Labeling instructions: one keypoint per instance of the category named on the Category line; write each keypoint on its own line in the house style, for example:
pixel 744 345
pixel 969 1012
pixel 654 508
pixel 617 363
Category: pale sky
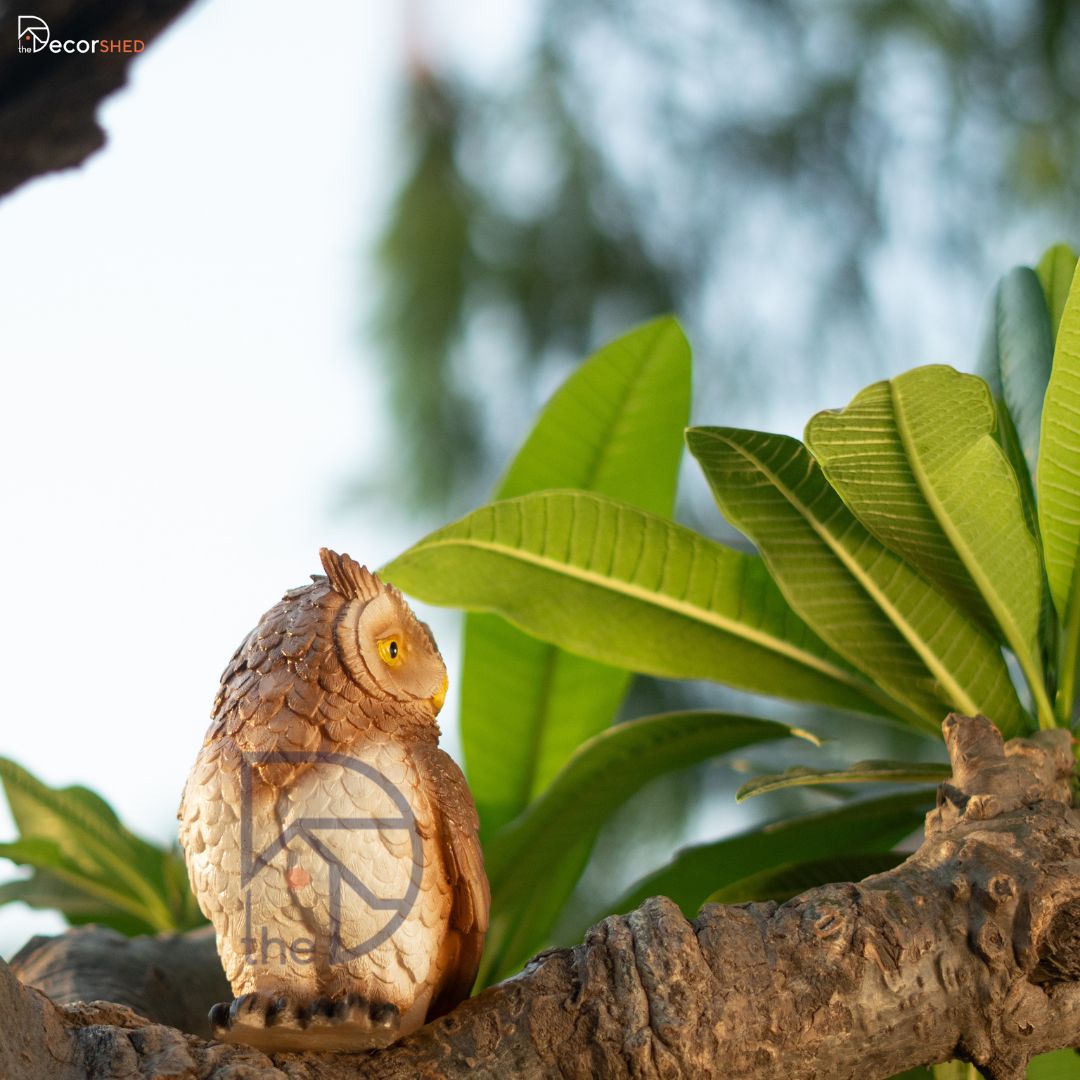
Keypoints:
pixel 184 389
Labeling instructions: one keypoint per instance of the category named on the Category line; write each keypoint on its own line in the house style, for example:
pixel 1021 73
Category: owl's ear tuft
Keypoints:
pixel 348 577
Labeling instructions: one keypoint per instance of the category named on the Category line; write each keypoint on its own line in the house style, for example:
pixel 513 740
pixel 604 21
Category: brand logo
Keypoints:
pixel 35 37
pixel 33 33
pixel 316 861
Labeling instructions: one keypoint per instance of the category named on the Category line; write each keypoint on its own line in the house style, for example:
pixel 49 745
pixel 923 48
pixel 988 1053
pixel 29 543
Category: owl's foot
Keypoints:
pixel 347 1022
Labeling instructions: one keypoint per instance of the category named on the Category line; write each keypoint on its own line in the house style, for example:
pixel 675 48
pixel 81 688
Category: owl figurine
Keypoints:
pixel 329 840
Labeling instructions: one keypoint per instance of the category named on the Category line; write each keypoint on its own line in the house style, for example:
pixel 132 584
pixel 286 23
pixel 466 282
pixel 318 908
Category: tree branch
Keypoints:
pixel 971 948
pixel 48 100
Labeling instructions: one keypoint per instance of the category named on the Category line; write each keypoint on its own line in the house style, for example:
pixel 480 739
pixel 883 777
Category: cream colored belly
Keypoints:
pixel 342 892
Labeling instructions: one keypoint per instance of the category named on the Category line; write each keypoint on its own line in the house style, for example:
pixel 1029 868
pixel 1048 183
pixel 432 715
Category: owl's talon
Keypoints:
pixel 219 1017
pixel 385 1015
pixel 317 1013
pixel 346 1022
pixel 276 1009
pixel 246 1008
pixel 339 1008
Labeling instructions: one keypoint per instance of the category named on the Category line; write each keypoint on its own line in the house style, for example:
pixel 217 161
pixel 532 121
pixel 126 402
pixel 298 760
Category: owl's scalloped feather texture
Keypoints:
pixel 324 744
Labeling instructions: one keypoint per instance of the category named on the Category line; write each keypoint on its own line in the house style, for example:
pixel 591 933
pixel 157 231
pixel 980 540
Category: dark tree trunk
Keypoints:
pixel 971 948
pixel 48 100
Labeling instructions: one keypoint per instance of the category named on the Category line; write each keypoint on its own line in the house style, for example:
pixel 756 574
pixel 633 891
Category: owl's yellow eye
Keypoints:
pixel 390 651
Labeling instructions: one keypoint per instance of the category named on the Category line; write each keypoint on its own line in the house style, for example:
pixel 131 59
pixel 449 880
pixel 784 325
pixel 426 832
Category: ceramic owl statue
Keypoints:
pixel 329 840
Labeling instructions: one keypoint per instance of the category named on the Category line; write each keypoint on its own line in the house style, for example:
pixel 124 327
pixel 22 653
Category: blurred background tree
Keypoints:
pixel 793 178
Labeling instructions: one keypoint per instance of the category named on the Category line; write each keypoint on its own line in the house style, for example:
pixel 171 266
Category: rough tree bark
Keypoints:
pixel 970 948
pixel 48 100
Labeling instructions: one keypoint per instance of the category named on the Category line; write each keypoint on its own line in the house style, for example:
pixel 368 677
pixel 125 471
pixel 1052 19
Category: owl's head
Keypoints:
pixel 385 649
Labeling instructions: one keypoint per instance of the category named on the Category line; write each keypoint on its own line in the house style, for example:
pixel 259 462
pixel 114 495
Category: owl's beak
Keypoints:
pixel 439 696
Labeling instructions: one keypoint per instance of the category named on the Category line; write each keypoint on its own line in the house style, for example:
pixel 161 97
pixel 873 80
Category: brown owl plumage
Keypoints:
pixel 329 840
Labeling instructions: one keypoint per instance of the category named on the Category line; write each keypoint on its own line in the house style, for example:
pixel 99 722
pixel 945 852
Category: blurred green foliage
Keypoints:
pixel 86 865
pixel 753 166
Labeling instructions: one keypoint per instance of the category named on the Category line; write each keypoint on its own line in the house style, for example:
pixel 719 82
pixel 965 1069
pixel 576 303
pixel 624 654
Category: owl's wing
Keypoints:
pixel 209 825
pixel 459 834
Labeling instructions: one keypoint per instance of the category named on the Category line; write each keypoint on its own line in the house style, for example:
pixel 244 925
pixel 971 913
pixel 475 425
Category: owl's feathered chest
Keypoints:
pixel 333 846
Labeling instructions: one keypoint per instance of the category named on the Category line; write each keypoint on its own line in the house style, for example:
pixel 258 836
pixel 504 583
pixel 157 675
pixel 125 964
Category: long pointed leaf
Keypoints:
pixel 89 880
pixel 1009 442
pixel 696 872
pixel 625 587
pixel 862 772
pixel 1055 270
pixel 781 883
pixel 863 599
pixel 1017 351
pixel 615 427
pixel 528 860
pixel 862 451
pixel 915 458
pixel 618 406
pixel 523 718
pixel 89 835
pixel 46 892
pixel 1058 486
pixel 1057 1065
pixel 521 924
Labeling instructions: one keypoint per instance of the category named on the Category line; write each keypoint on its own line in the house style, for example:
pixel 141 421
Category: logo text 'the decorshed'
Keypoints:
pixel 34 37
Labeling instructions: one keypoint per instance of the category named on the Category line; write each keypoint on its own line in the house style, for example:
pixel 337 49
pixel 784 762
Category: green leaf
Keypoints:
pixel 90 883
pixel 916 460
pixel 610 767
pixel 1059 1065
pixel 1010 445
pixel 1016 353
pixel 610 418
pixel 522 925
pixel 1059 460
pixel 615 427
pixel 1058 486
pixel 521 721
pixel 51 892
pixel 854 828
pixel 611 582
pixel 781 883
pixel 862 772
pixel 955 1070
pixel 178 894
pixel 527 860
pixel 46 892
pixel 1009 442
pixel 1055 270
pixel 864 600
pixel 90 839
